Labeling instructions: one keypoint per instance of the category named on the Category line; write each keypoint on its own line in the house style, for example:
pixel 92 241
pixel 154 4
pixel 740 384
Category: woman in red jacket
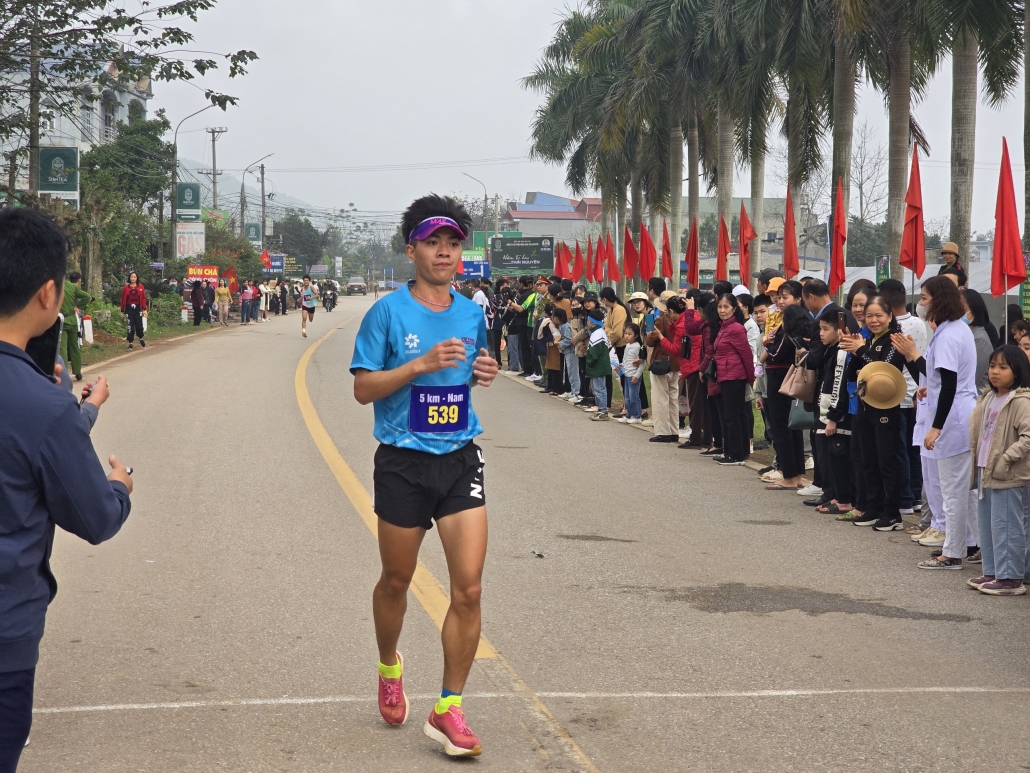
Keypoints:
pixel 734 370
pixel 134 307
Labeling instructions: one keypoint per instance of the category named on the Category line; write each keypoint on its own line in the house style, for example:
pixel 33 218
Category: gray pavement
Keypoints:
pixel 681 618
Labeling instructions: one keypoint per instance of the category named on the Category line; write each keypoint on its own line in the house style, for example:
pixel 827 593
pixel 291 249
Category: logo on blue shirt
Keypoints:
pixel 411 342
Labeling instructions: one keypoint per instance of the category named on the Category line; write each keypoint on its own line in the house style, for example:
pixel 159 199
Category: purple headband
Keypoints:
pixel 432 224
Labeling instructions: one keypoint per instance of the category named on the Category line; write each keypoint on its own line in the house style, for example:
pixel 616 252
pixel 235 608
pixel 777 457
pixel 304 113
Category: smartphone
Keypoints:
pixel 43 349
pixel 648 323
pixel 842 322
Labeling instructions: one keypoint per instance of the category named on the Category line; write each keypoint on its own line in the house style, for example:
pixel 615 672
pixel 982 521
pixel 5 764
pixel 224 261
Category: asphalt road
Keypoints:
pixel 681 617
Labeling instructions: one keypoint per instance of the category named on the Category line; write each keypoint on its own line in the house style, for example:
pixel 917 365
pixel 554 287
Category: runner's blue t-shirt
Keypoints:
pixel 307 295
pixel 434 412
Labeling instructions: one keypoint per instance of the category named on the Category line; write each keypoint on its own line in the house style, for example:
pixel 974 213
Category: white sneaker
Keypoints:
pixel 624 420
pixel 809 463
pixel 924 533
pixel 575 399
pixel 648 422
pixel 537 379
pixel 530 377
pixel 685 433
pixel 772 476
pixel 591 409
pixel 934 539
pixel 634 421
pixel 906 511
pixel 810 491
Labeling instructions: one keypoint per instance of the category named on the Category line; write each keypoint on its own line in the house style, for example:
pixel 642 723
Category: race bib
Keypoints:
pixel 439 409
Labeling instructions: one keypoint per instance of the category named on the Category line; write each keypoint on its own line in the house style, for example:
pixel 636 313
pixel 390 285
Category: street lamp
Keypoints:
pixel 485 204
pixel 175 175
pixel 243 197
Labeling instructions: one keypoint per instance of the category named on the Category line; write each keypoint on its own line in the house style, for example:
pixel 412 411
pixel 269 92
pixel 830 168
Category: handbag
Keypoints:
pixel 660 367
pixel 710 374
pixel 800 417
pixel 800 382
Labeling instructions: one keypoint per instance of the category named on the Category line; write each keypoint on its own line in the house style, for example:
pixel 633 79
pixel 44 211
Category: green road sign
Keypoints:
pixel 187 202
pixel 59 170
pixel 523 255
pixel 477 237
pixel 253 232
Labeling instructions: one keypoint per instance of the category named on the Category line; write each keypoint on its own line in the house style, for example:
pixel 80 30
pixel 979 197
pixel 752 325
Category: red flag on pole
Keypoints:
pixel 666 252
pixel 1008 268
pixel 693 256
pixel 577 266
pixel 600 259
pixel 588 266
pixel 913 239
pixel 745 235
pixel 613 261
pixel 723 252
pixel 648 254
pixel 630 256
pixel 566 258
pixel 840 236
pixel 265 260
pixel 233 279
pixel 791 266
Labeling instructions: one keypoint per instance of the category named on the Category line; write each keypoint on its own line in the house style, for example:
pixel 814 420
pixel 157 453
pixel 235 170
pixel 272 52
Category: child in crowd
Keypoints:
pixel 568 353
pixel 999 435
pixel 554 359
pixel 760 316
pixel 835 416
pixel 632 374
pixel 599 364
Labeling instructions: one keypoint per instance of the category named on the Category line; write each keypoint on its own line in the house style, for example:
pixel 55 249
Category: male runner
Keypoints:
pixel 308 304
pixel 417 355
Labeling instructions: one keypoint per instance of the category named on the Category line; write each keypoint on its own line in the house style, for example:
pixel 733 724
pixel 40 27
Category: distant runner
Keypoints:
pixel 417 356
pixel 308 304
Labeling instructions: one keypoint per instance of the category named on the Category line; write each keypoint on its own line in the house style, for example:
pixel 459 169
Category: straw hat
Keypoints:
pixel 660 303
pixel 638 296
pixel 881 385
pixel 950 247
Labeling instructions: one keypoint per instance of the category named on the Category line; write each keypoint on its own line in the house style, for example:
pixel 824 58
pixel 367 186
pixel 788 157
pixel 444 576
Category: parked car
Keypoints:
pixel 356 285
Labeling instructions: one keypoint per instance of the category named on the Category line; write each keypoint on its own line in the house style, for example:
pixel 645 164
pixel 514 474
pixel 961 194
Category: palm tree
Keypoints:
pixel 984 33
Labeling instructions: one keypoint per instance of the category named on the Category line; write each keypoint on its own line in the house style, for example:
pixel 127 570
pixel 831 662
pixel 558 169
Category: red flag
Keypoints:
pixel 666 252
pixel 230 276
pixel 648 254
pixel 461 268
pixel 613 261
pixel 561 262
pixel 723 252
pixel 577 267
pixel 745 235
pixel 840 236
pixel 567 265
pixel 1008 268
pixel 913 239
pixel 630 256
pixel 791 266
pixel 693 256
pixel 588 266
pixel 265 260
pixel 600 259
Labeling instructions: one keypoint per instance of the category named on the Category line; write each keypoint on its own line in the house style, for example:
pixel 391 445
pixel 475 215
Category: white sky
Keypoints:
pixel 396 82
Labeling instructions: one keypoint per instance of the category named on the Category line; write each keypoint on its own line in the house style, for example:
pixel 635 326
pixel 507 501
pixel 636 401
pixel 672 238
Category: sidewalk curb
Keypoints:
pixel 156 344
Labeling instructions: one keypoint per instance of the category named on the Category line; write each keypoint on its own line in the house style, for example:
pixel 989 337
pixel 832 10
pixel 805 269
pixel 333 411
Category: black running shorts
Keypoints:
pixel 412 488
pixel 309 309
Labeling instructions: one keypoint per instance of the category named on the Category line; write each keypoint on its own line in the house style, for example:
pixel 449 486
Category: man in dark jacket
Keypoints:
pixel 209 300
pixel 197 299
pixel 49 472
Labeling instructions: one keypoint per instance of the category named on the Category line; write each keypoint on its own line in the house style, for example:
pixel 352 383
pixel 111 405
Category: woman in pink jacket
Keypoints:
pixel 734 370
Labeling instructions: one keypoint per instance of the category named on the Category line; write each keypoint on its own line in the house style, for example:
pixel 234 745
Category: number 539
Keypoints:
pixel 443 414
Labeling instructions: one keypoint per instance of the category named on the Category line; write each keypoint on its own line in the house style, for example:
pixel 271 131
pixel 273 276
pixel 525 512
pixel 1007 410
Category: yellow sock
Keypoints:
pixel 446 701
pixel 390 672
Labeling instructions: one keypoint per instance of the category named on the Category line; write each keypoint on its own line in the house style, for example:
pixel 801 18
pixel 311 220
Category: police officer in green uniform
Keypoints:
pixel 74 298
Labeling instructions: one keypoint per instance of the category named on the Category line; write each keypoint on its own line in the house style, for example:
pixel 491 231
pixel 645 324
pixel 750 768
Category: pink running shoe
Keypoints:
pixel 393 703
pixel 453 733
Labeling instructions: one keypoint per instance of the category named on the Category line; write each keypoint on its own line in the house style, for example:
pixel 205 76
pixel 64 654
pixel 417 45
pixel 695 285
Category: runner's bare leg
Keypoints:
pixel 398 550
pixel 464 538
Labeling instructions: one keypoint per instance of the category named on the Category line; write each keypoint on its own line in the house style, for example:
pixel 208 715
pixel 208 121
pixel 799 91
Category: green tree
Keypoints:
pixel 300 239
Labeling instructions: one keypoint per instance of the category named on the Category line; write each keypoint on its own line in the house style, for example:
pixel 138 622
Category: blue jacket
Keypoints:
pixel 49 476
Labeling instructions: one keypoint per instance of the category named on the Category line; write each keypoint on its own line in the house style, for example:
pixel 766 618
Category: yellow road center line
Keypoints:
pixel 424 585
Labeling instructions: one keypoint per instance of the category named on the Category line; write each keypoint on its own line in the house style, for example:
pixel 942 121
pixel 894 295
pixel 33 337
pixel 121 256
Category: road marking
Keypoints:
pixel 430 594
pixel 334 699
pixel 427 589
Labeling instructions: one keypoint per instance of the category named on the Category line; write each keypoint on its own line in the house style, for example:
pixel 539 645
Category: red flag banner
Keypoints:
pixel 791 265
pixel 840 236
pixel 913 239
pixel 722 255
pixel 1008 268
pixel 746 234
pixel 666 252
pixel 230 275
pixel 648 254
pixel 600 260
pixel 693 256
pixel 613 261
pixel 630 256
pixel 577 266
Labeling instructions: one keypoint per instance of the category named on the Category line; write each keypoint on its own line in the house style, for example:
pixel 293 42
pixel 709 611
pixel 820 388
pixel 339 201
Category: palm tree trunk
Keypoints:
pixel 843 119
pixel 963 136
pixel 794 139
pixel 675 197
pixel 725 170
pixel 757 214
pixel 693 175
pixel 899 132
pixel 636 201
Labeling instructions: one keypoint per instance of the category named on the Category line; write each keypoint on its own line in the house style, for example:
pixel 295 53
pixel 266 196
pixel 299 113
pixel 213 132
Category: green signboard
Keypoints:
pixel 521 255
pixel 59 171
pixel 216 216
pixel 253 232
pixel 477 237
pixel 187 202
pixel 883 268
pixel 1024 289
pixel 706 277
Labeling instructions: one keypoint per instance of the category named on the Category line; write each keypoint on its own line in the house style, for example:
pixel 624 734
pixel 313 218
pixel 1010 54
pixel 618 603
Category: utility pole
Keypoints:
pixel 497 215
pixel 215 133
pixel 262 207
pixel 34 110
pixel 161 226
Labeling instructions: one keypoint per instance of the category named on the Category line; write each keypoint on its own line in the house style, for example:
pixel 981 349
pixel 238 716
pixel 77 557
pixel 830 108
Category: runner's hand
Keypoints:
pixel 119 472
pixel 485 368
pixel 446 354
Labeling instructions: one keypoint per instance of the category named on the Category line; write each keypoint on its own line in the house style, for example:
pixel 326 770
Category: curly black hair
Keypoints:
pixel 434 206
